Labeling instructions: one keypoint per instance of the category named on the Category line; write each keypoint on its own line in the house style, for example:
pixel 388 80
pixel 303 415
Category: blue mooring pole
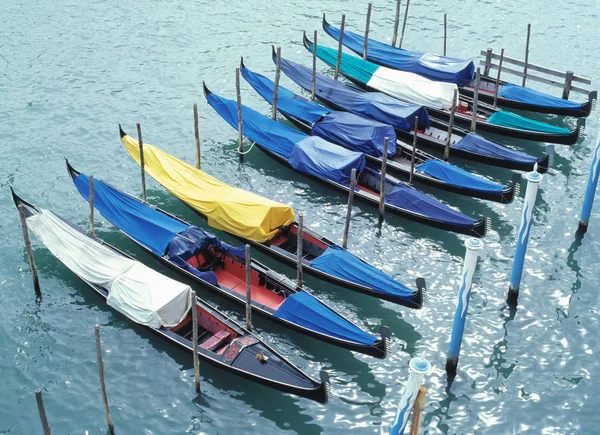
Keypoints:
pixel 533 183
pixel 473 246
pixel 418 368
pixel 590 190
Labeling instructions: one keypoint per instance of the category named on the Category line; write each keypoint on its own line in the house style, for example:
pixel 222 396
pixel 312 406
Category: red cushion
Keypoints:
pixel 214 341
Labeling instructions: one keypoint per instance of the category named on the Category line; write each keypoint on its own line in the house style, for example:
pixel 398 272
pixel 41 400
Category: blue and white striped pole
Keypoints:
pixel 473 246
pixel 533 179
pixel 590 191
pixel 418 368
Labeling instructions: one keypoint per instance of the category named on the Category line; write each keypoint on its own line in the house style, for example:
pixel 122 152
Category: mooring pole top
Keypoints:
pixel 474 244
pixel 420 366
pixel 533 177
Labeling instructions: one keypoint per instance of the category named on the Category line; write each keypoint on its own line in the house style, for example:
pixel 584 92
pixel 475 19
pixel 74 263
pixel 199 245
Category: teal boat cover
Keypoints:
pixel 309 154
pixel 508 119
pixel 307 311
pixel 457 176
pixel 438 68
pixel 339 262
pixel 531 96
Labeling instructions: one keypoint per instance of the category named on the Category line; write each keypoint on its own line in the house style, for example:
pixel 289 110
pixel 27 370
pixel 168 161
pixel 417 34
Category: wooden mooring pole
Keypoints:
pixel 450 125
pixel 382 183
pixel 349 212
pixel 277 77
pixel 142 164
pixel 314 69
pixel 248 289
pixel 339 53
pixel 404 23
pixel 366 45
pixel 526 54
pixel 475 99
pixel 91 205
pixel 29 250
pixel 300 248
pixel 42 411
pixel 418 408
pixel 195 343
pixel 239 114
pixel 396 22
pixel 414 151
pixel 197 136
pixel 445 33
pixel 111 427
pixel 498 78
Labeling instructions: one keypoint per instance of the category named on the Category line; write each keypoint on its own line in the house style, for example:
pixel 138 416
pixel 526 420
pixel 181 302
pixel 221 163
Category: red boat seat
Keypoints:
pixel 216 340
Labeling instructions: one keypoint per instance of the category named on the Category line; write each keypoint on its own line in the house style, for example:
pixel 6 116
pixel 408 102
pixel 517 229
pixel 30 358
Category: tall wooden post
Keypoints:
pixel 195 344
pixel 396 22
pixel 404 23
pixel 27 241
pixel 276 89
pixel 197 136
pixel 92 205
pixel 382 184
pixel 349 212
pixel 313 94
pixel 445 33
pixel 299 248
pixel 111 427
pixel 418 408
pixel 488 62
pixel 498 78
pixel 567 86
pixel 142 164
pixel 526 54
pixel 248 289
pixel 339 53
pixel 450 125
pixel 414 151
pixel 239 113
pixel 366 46
pixel 475 99
pixel 42 411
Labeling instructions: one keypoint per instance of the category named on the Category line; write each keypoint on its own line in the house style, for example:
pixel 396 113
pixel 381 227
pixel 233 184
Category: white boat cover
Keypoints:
pixel 413 88
pixel 140 293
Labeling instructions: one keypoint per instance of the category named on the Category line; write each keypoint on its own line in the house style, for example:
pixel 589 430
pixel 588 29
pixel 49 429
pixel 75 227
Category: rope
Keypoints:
pixel 249 149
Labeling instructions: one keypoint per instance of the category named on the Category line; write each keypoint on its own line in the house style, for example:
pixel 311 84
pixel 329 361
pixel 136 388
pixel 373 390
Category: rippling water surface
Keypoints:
pixel 70 71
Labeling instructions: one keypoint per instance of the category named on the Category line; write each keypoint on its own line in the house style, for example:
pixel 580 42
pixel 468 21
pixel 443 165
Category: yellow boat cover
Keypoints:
pixel 227 208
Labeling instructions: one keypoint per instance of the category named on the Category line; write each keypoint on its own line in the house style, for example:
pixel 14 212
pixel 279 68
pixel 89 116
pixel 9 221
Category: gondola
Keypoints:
pixel 431 133
pixel 461 72
pixel 332 164
pixel 202 257
pixel 437 97
pixel 163 306
pixel 270 227
pixel 365 135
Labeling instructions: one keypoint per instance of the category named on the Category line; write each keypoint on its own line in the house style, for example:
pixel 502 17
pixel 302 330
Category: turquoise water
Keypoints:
pixel 70 72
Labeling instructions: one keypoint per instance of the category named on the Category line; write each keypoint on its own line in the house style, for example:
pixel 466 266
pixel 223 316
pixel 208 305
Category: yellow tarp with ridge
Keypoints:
pixel 227 208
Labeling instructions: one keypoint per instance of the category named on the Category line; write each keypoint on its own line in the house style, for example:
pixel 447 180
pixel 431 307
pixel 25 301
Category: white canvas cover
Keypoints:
pixel 140 293
pixel 413 88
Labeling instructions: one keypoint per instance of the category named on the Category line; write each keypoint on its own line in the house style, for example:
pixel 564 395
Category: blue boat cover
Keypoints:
pixel 438 68
pixel 287 102
pixel 305 310
pixel 373 105
pixel 316 156
pixel 458 177
pixel 356 133
pixel 512 120
pixel 474 143
pixel 339 262
pixel 346 129
pixel 530 96
pixel 156 231
pixel 406 197
pixel 304 153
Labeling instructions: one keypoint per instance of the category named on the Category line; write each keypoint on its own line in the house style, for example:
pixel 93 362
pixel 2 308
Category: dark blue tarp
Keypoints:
pixel 343 128
pixel 373 105
pixel 307 311
pixel 271 134
pixel 304 153
pixel 411 199
pixel 458 177
pixel 147 226
pixel 356 133
pixel 480 145
pixel 191 242
pixel 343 264
pixel 325 160
pixel 287 102
pixel 438 68
pixel 160 233
pixel 530 96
